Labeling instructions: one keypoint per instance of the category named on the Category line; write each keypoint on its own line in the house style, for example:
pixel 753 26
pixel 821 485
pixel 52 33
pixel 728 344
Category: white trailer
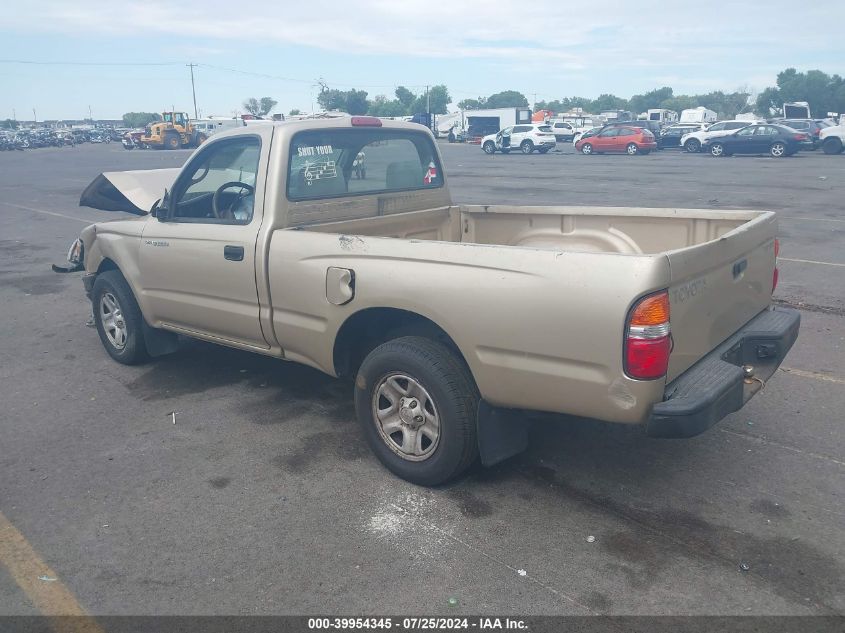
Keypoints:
pixel 698 115
pixel 662 115
pixel 211 125
pixel 483 122
pixel 796 110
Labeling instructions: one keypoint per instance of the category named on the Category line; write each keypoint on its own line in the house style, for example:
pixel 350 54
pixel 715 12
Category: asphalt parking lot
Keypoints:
pixel 262 497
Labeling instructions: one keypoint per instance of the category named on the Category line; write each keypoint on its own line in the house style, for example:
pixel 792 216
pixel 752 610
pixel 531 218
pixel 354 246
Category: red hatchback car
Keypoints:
pixel 626 138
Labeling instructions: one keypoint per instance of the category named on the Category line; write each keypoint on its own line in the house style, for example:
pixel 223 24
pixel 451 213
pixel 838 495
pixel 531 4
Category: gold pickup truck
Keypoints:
pixel 452 321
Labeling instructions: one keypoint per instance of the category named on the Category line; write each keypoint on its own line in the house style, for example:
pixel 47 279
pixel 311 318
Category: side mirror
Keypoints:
pixel 159 210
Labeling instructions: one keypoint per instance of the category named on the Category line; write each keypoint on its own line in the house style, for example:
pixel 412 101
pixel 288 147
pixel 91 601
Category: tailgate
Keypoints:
pixel 718 286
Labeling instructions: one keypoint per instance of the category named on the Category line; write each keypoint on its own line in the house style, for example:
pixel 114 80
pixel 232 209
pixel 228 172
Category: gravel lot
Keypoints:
pixel 263 499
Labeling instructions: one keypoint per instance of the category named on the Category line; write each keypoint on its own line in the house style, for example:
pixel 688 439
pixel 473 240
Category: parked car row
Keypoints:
pixel 778 138
pixel 47 137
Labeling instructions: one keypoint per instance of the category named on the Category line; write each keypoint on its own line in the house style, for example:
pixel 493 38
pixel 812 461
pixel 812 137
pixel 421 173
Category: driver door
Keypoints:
pixel 197 259
pixel 504 138
pixel 744 141
pixel 607 140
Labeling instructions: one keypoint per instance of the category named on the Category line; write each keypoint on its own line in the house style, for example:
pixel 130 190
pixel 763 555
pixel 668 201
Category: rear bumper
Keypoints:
pixel 716 385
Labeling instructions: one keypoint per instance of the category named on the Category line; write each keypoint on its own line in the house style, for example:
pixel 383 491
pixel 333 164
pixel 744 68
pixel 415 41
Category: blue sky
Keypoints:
pixel 548 48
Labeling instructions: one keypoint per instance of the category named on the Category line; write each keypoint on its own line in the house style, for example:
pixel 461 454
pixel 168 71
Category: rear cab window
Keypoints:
pixel 340 162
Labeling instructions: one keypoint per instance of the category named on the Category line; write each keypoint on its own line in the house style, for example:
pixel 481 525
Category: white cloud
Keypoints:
pixel 560 32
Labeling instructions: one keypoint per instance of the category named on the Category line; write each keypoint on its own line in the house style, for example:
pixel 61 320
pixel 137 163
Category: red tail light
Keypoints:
pixel 647 339
pixel 366 121
pixel 775 273
pixel 800 137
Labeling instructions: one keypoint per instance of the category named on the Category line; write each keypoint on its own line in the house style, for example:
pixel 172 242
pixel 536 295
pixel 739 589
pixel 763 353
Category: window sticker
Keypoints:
pixel 319 170
pixel 314 150
pixel 430 174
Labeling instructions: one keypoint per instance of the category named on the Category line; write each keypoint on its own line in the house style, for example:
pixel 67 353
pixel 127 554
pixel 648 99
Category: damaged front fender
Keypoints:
pixel 75 259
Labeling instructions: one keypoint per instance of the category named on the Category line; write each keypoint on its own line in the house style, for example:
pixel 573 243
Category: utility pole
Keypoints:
pixel 34 117
pixel 90 115
pixel 193 89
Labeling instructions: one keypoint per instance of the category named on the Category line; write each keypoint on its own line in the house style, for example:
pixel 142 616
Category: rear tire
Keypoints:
pixel 527 147
pixel 412 381
pixel 777 150
pixel 632 149
pixel 489 147
pixel 118 318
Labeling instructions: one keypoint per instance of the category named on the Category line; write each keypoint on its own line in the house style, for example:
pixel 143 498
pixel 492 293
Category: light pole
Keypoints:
pixel 194 90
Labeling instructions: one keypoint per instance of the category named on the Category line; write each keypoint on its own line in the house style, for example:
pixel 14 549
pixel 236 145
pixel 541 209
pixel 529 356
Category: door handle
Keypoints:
pixel 233 253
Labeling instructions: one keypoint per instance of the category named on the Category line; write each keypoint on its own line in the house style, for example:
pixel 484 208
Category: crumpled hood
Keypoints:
pixel 132 191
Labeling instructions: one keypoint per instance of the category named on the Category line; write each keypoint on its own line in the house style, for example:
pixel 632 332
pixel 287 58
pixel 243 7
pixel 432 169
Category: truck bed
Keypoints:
pixel 623 230
pixel 720 262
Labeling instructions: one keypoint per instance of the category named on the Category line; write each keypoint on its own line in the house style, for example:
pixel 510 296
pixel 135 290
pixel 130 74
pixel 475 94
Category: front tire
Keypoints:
pixel 586 149
pixel 527 147
pixel 172 141
pixel 717 149
pixel 693 146
pixel 832 146
pixel 489 148
pixel 777 150
pixel 118 318
pixel 417 404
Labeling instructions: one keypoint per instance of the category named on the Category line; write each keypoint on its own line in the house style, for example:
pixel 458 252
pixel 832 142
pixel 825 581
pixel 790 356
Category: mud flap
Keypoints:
pixel 502 433
pixel 159 342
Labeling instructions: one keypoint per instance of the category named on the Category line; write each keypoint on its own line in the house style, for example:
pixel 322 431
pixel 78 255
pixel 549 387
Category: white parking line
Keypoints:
pixel 43 212
pixel 809 261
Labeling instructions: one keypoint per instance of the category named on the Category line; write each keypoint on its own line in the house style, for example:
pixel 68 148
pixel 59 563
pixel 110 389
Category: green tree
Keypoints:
pixel 650 100
pixel 260 107
pixel 267 104
pixel 608 102
pixel 356 101
pixel 768 102
pixel 825 93
pixel 473 104
pixel 140 119
pixel 332 99
pixel 295 112
pixel 678 103
pixel 405 97
pixel 437 99
pixel 382 106
pixel 9 124
pixel 506 99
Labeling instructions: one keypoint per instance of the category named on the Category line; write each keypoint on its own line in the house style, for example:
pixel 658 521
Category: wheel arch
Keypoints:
pixel 366 329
